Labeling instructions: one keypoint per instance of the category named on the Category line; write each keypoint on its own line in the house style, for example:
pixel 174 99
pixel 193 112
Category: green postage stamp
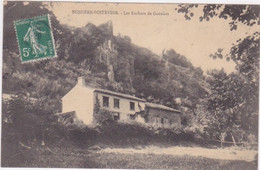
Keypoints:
pixel 35 38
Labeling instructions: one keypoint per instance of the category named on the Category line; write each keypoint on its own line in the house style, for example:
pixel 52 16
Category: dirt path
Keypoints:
pixel 222 154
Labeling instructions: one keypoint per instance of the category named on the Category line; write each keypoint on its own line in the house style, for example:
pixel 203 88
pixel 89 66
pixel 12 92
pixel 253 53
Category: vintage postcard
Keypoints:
pixel 130 85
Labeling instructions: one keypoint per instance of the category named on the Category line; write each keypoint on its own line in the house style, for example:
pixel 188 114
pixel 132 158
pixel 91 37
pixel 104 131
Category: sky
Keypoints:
pixel 194 39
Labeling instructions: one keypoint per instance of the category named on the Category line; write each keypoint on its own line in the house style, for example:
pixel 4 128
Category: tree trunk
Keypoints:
pixel 223 135
pixel 233 139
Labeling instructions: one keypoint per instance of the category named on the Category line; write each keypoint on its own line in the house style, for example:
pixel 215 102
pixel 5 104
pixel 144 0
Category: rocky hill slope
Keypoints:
pixel 107 61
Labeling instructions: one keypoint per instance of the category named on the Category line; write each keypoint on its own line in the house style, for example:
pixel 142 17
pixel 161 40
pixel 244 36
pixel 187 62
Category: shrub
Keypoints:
pixel 103 117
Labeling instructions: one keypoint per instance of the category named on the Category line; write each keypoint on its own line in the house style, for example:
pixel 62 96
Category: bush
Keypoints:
pixel 103 117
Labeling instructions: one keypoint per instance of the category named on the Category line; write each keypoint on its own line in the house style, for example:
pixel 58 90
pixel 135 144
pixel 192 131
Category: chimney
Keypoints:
pixel 81 80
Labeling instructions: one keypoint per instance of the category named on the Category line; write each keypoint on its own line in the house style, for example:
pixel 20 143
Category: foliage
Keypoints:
pixel 246 55
pixel 230 105
pixel 233 99
pixel 245 14
pixel 103 117
pixel 201 122
pixel 32 116
pixel 245 52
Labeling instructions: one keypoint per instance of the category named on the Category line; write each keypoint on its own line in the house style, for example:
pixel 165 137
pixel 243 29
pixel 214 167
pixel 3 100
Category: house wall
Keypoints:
pixel 81 100
pixel 169 118
pixel 124 109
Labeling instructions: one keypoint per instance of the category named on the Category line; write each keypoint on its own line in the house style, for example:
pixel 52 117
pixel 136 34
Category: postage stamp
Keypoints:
pixel 35 38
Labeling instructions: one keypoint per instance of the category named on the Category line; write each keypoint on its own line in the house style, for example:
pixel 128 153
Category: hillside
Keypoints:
pixel 108 61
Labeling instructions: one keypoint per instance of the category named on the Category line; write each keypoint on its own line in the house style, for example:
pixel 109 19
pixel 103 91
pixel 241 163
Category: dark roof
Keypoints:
pixel 127 96
pixel 162 107
pixel 67 114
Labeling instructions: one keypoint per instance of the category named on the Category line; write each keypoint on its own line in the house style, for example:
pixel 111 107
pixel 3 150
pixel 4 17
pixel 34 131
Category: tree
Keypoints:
pixel 245 52
pixel 230 107
pixel 238 92
pixel 245 14
pixel 220 103
pixel 26 118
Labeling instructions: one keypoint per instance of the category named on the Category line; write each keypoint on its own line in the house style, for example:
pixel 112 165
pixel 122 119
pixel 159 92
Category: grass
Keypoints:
pixel 141 161
pixel 75 157
pixel 85 149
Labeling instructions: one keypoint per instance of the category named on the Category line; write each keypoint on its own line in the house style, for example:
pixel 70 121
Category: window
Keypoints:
pixel 105 101
pixel 132 106
pixel 116 103
pixel 166 121
pixel 157 120
pixel 116 116
pixel 162 121
pixel 131 117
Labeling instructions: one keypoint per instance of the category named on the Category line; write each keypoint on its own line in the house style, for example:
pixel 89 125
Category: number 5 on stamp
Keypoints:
pixel 35 38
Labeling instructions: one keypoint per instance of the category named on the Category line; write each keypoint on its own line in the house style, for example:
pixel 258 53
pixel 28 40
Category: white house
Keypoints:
pixel 82 99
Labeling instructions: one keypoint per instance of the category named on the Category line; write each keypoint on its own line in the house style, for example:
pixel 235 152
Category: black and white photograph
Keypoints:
pixel 109 85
